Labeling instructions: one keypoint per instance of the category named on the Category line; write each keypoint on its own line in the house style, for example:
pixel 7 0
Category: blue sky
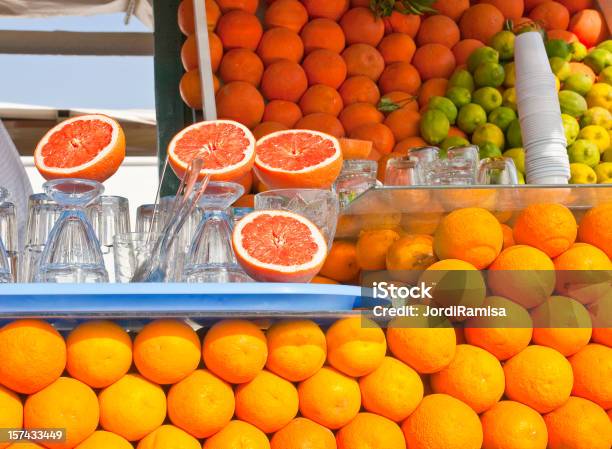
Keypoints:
pixel 77 81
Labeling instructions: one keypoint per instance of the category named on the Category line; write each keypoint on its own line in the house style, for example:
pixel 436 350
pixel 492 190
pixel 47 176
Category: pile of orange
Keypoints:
pixel 296 385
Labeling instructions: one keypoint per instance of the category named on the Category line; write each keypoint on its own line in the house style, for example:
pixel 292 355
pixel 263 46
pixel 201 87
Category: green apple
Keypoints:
pixel 518 155
pixel 604 173
pixel 584 152
pixel 582 174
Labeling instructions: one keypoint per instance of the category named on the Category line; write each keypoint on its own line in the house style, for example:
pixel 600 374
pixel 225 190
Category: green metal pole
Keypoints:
pixel 172 114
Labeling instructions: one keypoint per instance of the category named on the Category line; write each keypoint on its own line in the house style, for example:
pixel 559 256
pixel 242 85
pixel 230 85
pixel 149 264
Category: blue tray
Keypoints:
pixel 142 300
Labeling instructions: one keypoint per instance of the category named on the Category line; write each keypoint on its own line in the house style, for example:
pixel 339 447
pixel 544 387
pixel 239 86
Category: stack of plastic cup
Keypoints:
pixel 546 159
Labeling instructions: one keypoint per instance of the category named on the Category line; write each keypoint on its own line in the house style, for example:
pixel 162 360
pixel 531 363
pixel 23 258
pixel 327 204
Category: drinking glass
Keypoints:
pixel 319 206
pixel 239 212
pixel 356 177
pixel 8 232
pixel 211 257
pixel 72 251
pixel 497 171
pixel 403 171
pixel 151 217
pixel 109 215
pixel 131 250
pixel 468 154
pixel 425 156
pixel 43 213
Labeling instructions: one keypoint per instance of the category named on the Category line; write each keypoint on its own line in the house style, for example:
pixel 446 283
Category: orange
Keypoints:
pixel 241 64
pixel 289 14
pixel 322 33
pixel 321 98
pixel 574 6
pixel 579 67
pixel 548 227
pixel 592 367
pixel 238 434
pixel 356 346
pixel 563 35
pixel 132 407
pixel 325 67
pixel 523 274
pixel 362 26
pixel 443 422
pixel 539 377
pixel 186 20
pixel 302 433
pixel 400 76
pixel 393 390
pixel 508 236
pixel 265 128
pixel 99 353
pixel 269 402
pixel 579 424
pixel 359 89
pixel 11 411
pixel 33 355
pixel 454 131
pixel 451 8
pixel 481 22
pixel 372 248
pixel 25 445
pixel 463 49
pixel 551 15
pixel 404 23
pixel 594 230
pixel 168 436
pixel 322 122
pixel 235 350
pixel 403 123
pixel 561 323
pixel 434 61
pixel 371 431
pixel 323 280
pixel 411 252
pixel 407 144
pixel 243 5
pixel 357 114
pixel 363 60
pixel 329 398
pixel 510 10
pixel 603 336
pixel 280 43
pixel 474 376
pixel 329 9
pixel 101 439
pixel 471 234
pixel 240 101
pixel 512 425
pixel 239 29
pixel 431 88
pixel 296 349
pixel 65 404
pixel 341 263
pixel 426 349
pixel 355 149
pixel 397 47
pixel 380 135
pixel 438 29
pixel 166 351
pixel 590 27
pixel 281 111
pixel 284 80
pixel 189 52
pixel 201 404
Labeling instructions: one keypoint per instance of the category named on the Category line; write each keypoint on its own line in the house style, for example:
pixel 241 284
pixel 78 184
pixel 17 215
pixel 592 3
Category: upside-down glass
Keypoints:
pixel 6 271
pixel 151 218
pixel 8 232
pixel 497 171
pixel 211 257
pixel 131 250
pixel 319 206
pixel 72 252
pixel 109 216
pixel 403 171
pixel 426 156
pixel 356 177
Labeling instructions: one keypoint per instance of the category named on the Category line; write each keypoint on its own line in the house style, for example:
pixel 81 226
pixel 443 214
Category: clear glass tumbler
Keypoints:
pixel 131 250
pixel 151 218
pixel 7 271
pixel 497 171
pixel 8 233
pixel 403 171
pixel 356 177
pixel 72 253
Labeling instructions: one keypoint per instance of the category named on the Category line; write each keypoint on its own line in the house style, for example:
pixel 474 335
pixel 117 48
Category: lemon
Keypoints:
pixel 510 79
pixel 470 117
pixel 582 174
pixel 487 97
pixel 514 135
pixel 585 152
pixel 444 105
pixel 606 45
pixel 489 74
pixel 509 99
pixel 452 141
pixel 579 51
pixel 580 83
pixel 461 78
pixel 434 126
pixel 502 117
pixel 571 127
pixel 521 178
pixel 518 156
pixel 600 95
pixel 597 116
pixel 480 56
pixel 558 48
pixel 604 173
pixel 460 96
pixel 489 133
pixel 560 67
pixel 488 149
pixel 572 103
pixel 607 156
pixel 598 59
pixel 503 42
pixel 606 75
pixel 596 134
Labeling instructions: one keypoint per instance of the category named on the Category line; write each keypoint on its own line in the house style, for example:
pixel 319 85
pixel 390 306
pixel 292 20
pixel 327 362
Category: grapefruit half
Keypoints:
pixel 87 147
pixel 298 158
pixel 279 246
pixel 226 147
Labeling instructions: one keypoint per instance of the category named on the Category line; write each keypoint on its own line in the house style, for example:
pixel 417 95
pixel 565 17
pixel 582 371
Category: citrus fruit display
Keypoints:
pixel 87 147
pixel 431 390
pixel 279 246
pixel 298 159
pixel 226 147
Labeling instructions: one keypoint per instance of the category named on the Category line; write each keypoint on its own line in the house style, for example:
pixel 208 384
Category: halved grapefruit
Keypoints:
pixel 226 147
pixel 298 158
pixel 87 147
pixel 279 246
